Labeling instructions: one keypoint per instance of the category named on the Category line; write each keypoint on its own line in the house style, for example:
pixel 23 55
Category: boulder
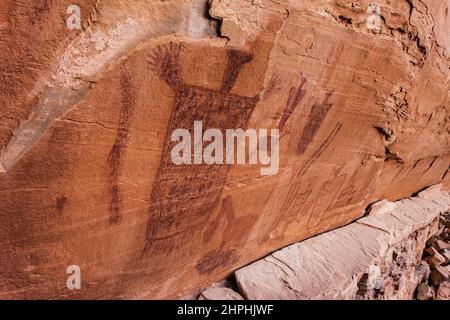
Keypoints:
pixel 358 95
pixel 439 275
pixel 441 245
pixel 220 294
pixel 435 260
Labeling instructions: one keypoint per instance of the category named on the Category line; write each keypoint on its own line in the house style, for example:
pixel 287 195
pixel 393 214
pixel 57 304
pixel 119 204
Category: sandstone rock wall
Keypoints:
pixel 86 116
pixel 377 257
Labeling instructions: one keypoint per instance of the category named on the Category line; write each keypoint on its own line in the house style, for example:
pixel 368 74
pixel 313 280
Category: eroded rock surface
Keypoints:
pixel 377 257
pixel 221 293
pixel 86 115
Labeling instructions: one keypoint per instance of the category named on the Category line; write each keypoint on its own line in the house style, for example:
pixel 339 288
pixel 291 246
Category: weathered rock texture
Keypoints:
pixel 220 293
pixel 86 118
pixel 436 278
pixel 377 257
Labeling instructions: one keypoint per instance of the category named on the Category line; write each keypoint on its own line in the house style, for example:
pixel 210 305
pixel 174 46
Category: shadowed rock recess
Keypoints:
pixel 86 118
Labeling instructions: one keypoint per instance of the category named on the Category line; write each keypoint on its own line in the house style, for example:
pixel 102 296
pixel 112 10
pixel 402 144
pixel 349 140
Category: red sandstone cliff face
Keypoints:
pixel 86 118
